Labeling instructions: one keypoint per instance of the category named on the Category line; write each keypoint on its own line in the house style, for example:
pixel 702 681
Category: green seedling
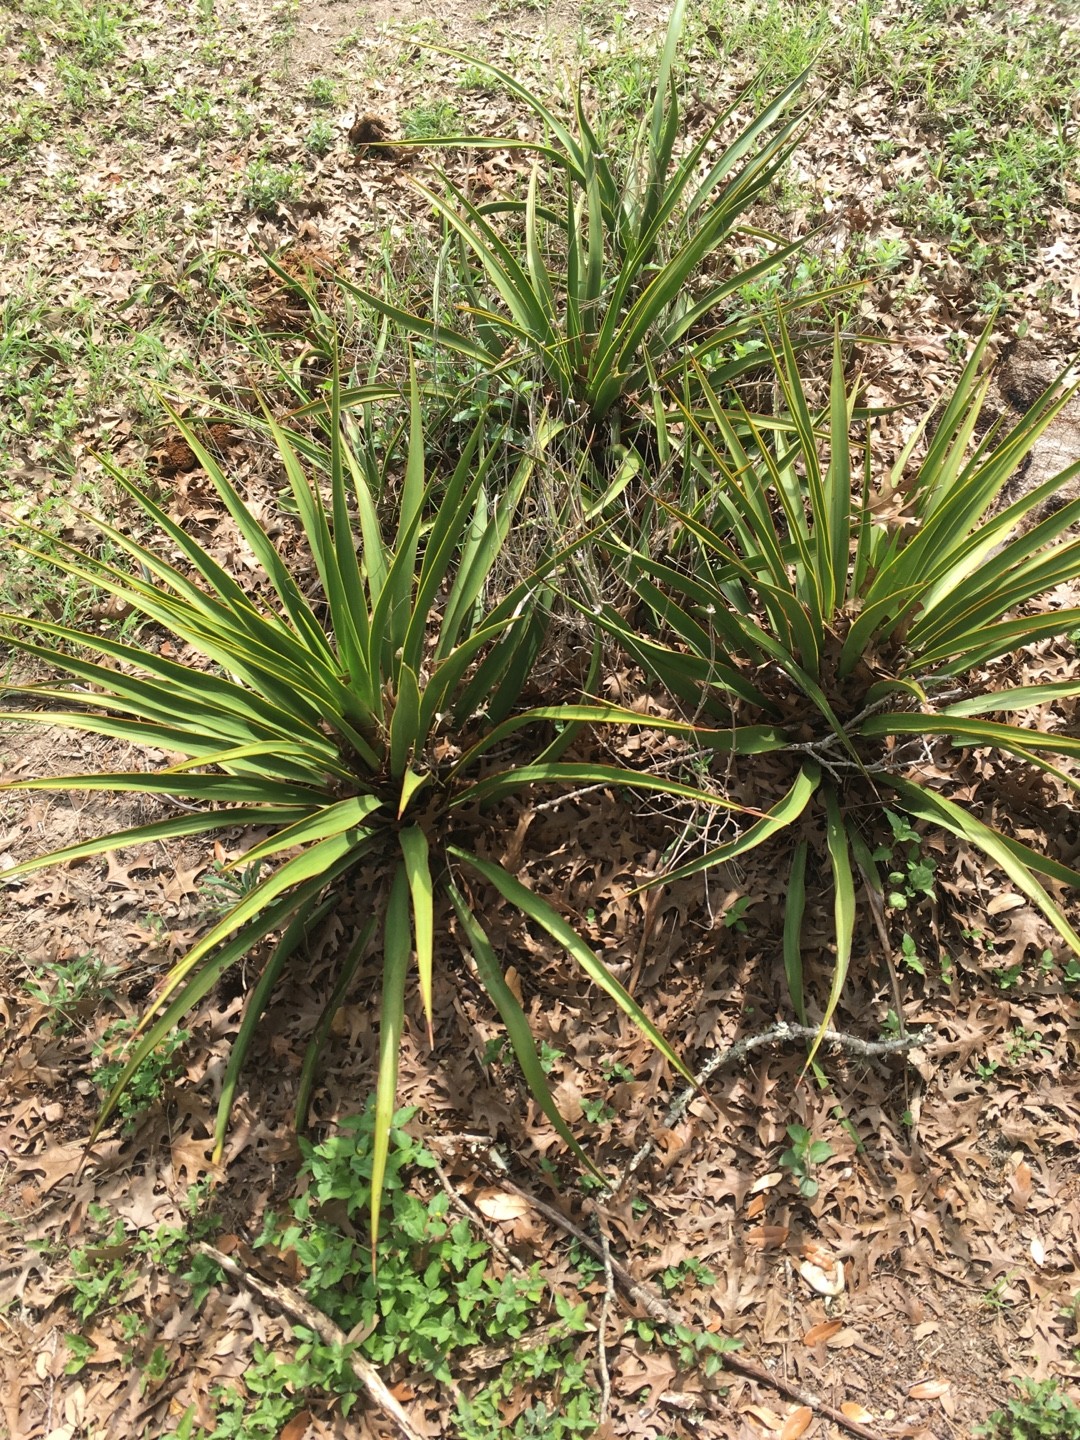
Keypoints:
pixel 1042 1411
pixel 803 1156
pixel 693 1348
pixel 321 90
pixel 148 1082
pixel 320 136
pixel 71 991
pixel 911 874
pixel 733 915
pixel 909 954
pixel 1024 1044
pixel 222 886
pixel 266 186
pixel 676 1277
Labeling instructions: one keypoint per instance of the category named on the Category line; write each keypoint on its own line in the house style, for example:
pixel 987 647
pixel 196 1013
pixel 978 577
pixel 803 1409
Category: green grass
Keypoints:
pixel 432 119
pixel 61 361
pixel 986 115
pixel 68 371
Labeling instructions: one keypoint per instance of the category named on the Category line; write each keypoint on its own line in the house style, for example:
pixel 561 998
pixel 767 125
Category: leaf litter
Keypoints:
pixel 939 1252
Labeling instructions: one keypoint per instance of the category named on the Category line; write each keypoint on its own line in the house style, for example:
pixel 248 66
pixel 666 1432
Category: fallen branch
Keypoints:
pixel 658 1308
pixel 778 1034
pixel 605 1311
pixel 297 1308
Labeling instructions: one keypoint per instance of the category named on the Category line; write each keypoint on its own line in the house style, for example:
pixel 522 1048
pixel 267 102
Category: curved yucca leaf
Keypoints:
pixel 561 772
pixel 174 828
pixel 397 946
pixel 1017 861
pixel 783 814
pixel 759 738
pixel 303 922
pixel 414 849
pixel 224 789
pixel 1025 697
pixel 513 1017
pixel 967 730
pixel 534 908
pixel 329 819
pixel 794 909
pixel 151 1032
pixel 321 1032
pixel 836 838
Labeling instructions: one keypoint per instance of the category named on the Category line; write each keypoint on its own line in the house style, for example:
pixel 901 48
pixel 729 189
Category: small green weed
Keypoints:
pixel 1040 1412
pixel 81 1351
pixel 995 1298
pixel 107 1266
pixel 909 954
pixel 80 87
pixel 693 1348
pixel 23 130
pixel 201 112
pixel 320 136
pixel 550 1057
pixel 1023 1044
pixel 435 1291
pixel 71 991
pixel 149 1081
pixel 100 1273
pixel 94 32
pixel 221 888
pixel 321 90
pixel 266 185
pixel 986 1069
pixel 474 78
pixel 912 873
pixel 803 1156
pixel 733 915
pixel 674 1277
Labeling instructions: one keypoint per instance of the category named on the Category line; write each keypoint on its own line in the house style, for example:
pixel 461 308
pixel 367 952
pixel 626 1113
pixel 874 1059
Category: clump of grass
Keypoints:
pixel 432 120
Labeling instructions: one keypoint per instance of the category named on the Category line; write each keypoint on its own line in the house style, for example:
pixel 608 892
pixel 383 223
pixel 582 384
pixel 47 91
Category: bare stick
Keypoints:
pixel 605 1311
pixel 304 1313
pixel 778 1034
pixel 660 1309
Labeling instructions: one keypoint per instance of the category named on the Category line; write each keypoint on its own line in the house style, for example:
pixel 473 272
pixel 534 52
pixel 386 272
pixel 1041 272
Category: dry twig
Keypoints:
pixel 778 1034
pixel 605 1311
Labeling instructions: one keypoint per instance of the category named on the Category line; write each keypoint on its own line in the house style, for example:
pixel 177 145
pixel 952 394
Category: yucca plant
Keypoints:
pixel 597 276
pixel 365 729
pixel 857 620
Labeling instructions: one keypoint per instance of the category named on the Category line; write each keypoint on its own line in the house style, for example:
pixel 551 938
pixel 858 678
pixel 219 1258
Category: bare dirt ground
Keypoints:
pixel 939 1254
